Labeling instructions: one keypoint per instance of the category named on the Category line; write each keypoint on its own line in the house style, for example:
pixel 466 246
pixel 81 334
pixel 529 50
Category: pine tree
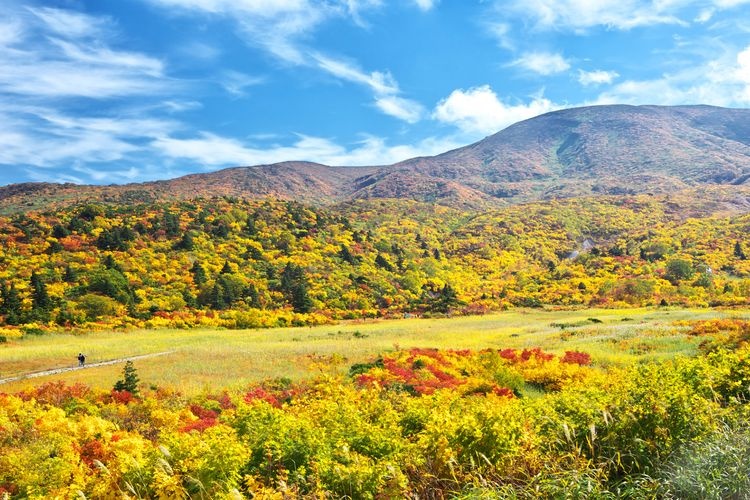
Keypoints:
pixel 69 275
pixel 39 296
pixel 301 301
pixel 13 306
pixel 130 380
pixel 346 255
pixel 738 251
pixel 185 243
pixel 199 273
pixel 227 269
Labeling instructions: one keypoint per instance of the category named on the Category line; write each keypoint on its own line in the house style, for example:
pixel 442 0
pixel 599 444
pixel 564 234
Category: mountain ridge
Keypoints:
pixel 610 149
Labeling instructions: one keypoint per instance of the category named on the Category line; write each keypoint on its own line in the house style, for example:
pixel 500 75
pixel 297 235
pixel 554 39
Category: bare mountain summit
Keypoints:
pixel 581 151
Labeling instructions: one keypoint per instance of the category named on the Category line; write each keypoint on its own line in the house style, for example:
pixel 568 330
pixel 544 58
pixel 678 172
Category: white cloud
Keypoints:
pixel 235 82
pixel 724 81
pixel 583 14
pixel 478 110
pixel 380 83
pixel 596 77
pixel 426 5
pixel 398 107
pixel 213 150
pixel 501 32
pixel 44 137
pixel 81 64
pixel 11 33
pixel 279 26
pixel 704 16
pixel 543 63
pixel 71 24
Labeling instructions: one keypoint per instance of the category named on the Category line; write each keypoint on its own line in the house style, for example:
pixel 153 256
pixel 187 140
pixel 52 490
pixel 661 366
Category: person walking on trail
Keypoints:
pixel 81 359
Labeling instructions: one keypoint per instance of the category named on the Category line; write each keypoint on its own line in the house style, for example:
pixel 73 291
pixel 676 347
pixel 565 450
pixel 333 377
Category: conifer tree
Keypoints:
pixel 12 305
pixel 39 296
pixel 199 273
pixel 130 379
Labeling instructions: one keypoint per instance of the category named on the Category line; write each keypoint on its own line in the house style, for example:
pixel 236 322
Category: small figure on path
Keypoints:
pixel 81 359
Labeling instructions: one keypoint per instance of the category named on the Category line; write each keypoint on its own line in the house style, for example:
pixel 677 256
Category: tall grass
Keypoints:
pixel 206 359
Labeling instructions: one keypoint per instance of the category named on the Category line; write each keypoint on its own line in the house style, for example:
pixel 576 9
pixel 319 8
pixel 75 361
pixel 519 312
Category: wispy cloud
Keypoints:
pixel 383 86
pixel 281 27
pixel 214 150
pixel 596 77
pixel 403 109
pixel 584 14
pixel 426 5
pixel 723 81
pixel 71 24
pixel 66 54
pixel 478 110
pixel 542 63
pixel 236 82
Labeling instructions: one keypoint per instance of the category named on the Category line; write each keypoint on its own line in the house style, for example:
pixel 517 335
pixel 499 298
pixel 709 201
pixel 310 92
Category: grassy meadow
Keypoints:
pixel 208 360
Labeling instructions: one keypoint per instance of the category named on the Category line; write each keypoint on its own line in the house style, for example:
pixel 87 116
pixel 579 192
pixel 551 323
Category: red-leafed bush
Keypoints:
pixel 578 358
pixel 122 397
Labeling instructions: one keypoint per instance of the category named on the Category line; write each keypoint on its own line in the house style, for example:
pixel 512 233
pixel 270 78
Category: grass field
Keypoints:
pixel 210 360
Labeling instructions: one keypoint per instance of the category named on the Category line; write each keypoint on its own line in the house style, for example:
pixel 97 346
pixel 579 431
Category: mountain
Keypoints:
pixel 615 149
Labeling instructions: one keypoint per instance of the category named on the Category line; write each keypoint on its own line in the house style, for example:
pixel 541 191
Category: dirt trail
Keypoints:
pixel 88 365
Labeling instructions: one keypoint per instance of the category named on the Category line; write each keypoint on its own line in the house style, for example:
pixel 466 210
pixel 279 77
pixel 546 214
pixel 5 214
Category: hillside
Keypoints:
pixel 574 152
pixel 273 263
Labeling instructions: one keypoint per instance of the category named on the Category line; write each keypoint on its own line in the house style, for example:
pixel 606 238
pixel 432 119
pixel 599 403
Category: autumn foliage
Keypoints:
pixel 247 264
pixel 411 423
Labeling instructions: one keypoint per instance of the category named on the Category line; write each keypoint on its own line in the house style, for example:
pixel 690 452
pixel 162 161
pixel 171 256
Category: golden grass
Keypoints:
pixel 210 360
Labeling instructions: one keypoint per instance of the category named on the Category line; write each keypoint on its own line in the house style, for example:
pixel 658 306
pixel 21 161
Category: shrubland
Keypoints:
pixel 244 264
pixel 419 422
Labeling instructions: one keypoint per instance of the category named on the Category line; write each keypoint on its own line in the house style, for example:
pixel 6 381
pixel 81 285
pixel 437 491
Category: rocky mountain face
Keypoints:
pixel 614 149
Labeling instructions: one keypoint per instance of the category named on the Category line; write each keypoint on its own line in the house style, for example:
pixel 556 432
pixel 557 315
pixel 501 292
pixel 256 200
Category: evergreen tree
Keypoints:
pixel 218 299
pixel 60 231
pixel 189 298
pixel 301 301
pixel 383 263
pixel 69 275
pixel 227 269
pixel 13 306
pixel 250 228
pixel 346 255
pixel 40 301
pixel 199 273
pixel 252 297
pixel 109 262
pixel 185 243
pixel 130 380
pixel 294 286
pixel 171 224
pixel 738 251
pixel 4 292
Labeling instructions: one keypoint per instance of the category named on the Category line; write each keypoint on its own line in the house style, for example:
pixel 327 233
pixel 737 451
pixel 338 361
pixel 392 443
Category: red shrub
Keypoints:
pixel 260 394
pixel 199 425
pixel 93 450
pixel 578 358
pixel 122 397
pixel 55 393
pixel 503 391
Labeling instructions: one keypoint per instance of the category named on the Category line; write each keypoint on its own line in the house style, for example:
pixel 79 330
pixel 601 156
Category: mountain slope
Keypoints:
pixel 593 150
pixel 603 149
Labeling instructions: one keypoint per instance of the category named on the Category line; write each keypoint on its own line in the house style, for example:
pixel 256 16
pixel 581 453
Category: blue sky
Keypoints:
pixel 116 91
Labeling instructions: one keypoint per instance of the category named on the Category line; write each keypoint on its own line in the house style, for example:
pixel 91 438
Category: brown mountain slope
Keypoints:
pixel 581 151
pixel 603 149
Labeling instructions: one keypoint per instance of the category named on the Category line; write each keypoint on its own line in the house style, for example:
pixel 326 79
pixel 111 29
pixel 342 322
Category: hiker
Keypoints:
pixel 81 359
